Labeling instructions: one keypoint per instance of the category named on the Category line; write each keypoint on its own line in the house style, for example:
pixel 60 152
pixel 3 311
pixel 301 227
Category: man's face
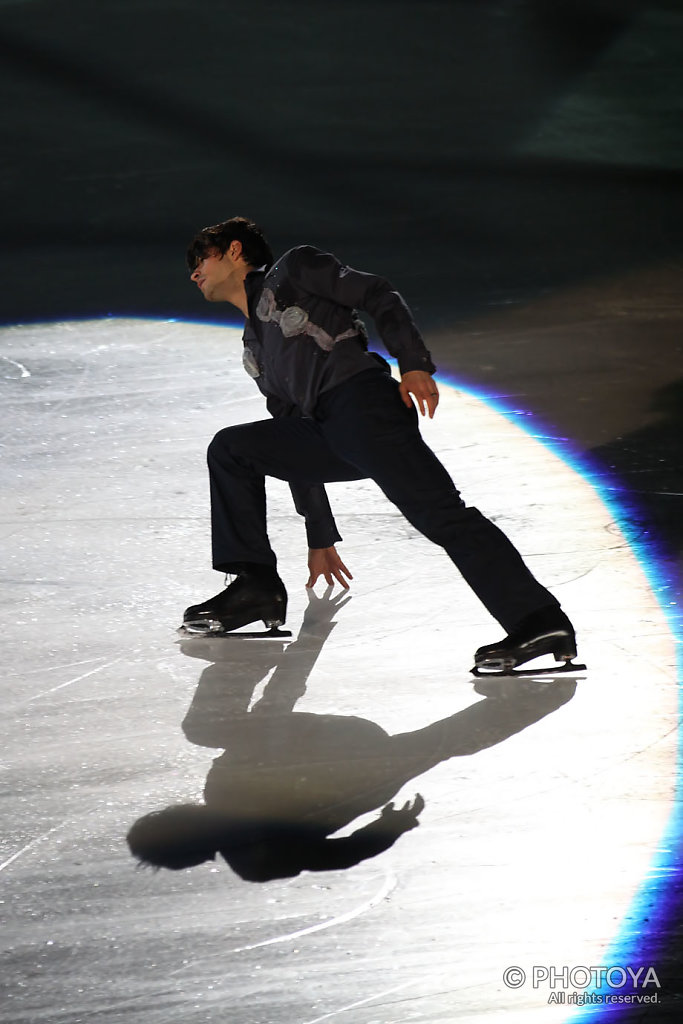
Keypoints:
pixel 212 273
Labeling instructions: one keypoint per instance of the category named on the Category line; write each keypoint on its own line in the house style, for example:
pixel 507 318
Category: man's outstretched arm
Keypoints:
pixel 311 502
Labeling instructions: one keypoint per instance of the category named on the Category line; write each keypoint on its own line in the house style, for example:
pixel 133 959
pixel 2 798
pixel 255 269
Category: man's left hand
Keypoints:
pixel 422 386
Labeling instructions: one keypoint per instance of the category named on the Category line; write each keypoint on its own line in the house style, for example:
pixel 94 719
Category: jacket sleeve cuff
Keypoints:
pixel 416 361
pixel 311 502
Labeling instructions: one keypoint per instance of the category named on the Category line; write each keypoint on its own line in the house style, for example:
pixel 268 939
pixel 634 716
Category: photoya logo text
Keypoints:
pixel 582 978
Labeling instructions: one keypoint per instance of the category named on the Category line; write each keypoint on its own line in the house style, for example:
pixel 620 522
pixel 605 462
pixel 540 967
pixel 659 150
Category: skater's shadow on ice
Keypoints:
pixel 289 780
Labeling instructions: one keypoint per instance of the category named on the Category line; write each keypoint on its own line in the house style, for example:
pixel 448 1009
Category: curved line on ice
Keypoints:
pixel 390 883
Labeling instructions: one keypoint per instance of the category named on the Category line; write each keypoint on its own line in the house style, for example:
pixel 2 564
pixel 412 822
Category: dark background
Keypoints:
pixel 514 167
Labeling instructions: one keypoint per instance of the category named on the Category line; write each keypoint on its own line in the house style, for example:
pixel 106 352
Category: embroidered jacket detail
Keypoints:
pixel 295 320
pixel 250 363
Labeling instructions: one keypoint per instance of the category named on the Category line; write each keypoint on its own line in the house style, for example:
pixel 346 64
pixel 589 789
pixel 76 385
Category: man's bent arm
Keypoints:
pixel 322 274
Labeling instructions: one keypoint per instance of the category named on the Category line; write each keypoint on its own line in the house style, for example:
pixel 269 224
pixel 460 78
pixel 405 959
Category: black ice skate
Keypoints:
pixel 547 631
pixel 255 594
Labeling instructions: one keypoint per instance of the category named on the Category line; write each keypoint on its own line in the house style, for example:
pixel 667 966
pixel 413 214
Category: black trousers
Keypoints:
pixel 362 429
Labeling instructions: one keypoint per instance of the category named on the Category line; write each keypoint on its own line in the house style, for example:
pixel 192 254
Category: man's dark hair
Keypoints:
pixel 217 238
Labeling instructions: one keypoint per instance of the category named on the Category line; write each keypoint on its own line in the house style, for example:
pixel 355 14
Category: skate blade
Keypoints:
pixel 212 631
pixel 501 670
pixel 274 633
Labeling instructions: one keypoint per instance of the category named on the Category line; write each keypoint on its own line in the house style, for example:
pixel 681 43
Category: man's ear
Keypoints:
pixel 235 249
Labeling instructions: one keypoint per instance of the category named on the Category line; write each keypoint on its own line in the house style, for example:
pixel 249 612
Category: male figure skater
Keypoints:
pixel 337 414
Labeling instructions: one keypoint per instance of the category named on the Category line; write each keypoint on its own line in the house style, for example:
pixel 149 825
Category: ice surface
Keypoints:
pixel 544 803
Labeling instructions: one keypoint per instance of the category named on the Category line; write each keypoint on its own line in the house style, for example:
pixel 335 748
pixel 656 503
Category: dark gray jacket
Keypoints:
pixel 304 336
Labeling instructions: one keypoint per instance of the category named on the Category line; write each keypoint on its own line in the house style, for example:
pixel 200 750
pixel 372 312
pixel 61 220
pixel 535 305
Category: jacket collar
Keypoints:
pixel 253 284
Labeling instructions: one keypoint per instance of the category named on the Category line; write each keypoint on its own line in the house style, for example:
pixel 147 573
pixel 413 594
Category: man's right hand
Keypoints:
pixel 327 563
